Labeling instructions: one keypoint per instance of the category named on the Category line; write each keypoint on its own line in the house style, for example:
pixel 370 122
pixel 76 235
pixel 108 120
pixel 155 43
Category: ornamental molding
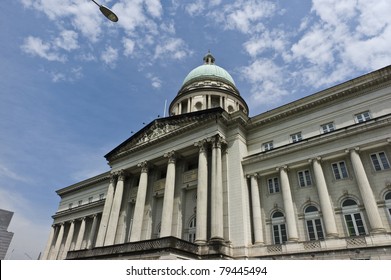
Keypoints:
pixel 161 130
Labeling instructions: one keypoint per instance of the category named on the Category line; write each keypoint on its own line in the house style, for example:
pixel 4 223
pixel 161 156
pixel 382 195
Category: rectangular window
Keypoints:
pixel 296 137
pixel 328 127
pixel 354 224
pixel 267 146
pixel 304 178
pixel 315 230
pixel 380 161
pixel 362 117
pixel 279 233
pixel 274 185
pixel 340 170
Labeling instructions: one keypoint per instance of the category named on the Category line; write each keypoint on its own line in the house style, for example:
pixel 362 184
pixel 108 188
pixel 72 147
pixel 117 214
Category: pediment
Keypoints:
pixel 161 129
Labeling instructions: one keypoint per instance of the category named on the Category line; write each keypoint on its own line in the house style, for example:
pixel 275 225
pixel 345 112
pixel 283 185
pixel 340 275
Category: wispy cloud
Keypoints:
pixel 36 47
pixel 110 56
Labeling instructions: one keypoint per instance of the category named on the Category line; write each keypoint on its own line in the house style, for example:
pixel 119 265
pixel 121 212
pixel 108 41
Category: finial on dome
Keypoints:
pixel 209 59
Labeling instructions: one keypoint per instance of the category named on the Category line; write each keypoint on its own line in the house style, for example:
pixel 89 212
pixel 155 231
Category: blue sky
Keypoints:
pixel 74 85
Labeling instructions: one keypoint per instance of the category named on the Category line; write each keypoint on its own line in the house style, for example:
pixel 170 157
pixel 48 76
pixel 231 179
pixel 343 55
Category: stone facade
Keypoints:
pixel 308 180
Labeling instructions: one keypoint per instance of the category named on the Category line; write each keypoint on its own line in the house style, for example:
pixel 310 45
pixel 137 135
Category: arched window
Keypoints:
pixel 191 235
pixel 353 219
pixel 313 223
pixel 387 199
pixel 279 228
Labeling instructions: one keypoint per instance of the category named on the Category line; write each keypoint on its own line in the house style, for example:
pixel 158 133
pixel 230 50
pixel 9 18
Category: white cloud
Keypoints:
pixel 110 56
pixel 267 80
pixel 155 81
pixel 174 48
pixel 129 45
pixel 245 16
pixel 154 8
pixel 67 40
pixel 84 16
pixel 36 47
pixel 135 15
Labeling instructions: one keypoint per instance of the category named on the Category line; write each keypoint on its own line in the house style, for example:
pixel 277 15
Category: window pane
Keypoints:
pixel 319 229
pixel 376 163
pixel 270 184
pixel 350 225
pixel 384 160
pixel 301 179
pixel 336 171
pixel 276 185
pixel 308 177
pixel 359 224
pixel 283 233
pixel 276 234
pixel 310 228
pixel 343 169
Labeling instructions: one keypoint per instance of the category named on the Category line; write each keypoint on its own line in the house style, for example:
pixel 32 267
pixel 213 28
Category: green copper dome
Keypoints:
pixel 209 69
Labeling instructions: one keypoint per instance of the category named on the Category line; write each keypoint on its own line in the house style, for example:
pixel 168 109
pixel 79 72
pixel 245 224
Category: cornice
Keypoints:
pixel 83 184
pixel 353 88
pixel 306 143
pixel 190 121
pixel 78 209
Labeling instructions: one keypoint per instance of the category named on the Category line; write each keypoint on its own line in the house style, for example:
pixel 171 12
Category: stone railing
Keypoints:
pixel 140 247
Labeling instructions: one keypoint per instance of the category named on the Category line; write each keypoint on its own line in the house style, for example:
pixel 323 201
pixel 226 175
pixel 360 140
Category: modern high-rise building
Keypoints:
pixel 308 180
pixel 5 235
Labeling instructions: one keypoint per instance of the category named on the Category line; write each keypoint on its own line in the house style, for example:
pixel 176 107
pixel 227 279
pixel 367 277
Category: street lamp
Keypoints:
pixel 107 12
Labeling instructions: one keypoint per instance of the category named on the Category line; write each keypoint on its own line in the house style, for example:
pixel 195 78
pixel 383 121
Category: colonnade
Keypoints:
pixel 64 238
pixel 206 103
pixel 59 244
pixel 326 205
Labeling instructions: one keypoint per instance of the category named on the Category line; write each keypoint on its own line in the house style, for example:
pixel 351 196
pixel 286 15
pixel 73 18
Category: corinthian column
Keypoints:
pixel 256 207
pixel 92 232
pixel 114 214
pixel 288 205
pixel 138 215
pixel 68 240
pixel 46 253
pixel 106 213
pixel 217 230
pixel 168 200
pixel 80 236
pixel 324 197
pixel 366 193
pixel 58 242
pixel 202 194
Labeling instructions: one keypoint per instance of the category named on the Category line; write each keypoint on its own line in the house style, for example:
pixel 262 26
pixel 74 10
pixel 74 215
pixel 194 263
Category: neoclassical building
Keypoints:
pixel 308 180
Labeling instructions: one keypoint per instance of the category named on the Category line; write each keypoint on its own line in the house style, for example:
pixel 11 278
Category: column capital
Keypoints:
pixel 82 218
pixel 112 177
pixel 144 166
pixel 201 145
pixel 284 167
pixel 351 150
pixel 172 156
pixel 255 175
pixel 121 175
pixel 217 141
pixel 318 159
